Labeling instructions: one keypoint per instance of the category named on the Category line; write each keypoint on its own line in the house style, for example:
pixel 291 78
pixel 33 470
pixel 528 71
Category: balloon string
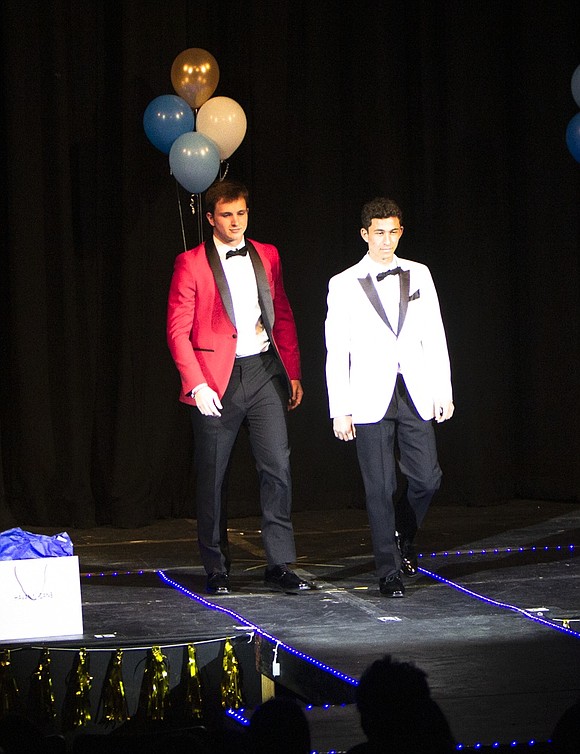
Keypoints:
pixel 192 204
pixel 181 217
pixel 223 175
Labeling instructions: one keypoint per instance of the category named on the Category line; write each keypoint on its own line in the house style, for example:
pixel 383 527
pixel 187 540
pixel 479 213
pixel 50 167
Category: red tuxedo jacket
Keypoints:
pixel 201 331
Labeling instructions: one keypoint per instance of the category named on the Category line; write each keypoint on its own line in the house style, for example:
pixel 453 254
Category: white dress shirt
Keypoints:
pixel 239 272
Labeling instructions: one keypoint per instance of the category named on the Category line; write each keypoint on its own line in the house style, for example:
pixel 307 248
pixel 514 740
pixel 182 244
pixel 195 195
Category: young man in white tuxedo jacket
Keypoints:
pixel 388 376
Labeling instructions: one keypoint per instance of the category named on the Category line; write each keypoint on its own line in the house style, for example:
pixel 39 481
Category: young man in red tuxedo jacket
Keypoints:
pixel 232 335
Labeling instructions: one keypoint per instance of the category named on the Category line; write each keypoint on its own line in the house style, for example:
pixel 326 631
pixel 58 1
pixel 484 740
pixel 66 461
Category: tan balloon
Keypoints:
pixel 195 75
pixel 224 122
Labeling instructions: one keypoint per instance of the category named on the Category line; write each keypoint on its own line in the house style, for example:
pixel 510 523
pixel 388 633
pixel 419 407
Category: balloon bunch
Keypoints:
pixel 220 123
pixel 573 129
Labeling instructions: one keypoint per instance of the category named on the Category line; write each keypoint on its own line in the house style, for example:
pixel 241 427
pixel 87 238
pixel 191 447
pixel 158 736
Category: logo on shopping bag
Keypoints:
pixel 32 583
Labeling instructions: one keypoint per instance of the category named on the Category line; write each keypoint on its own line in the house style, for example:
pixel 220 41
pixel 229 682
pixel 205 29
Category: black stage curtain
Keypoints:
pixel 456 109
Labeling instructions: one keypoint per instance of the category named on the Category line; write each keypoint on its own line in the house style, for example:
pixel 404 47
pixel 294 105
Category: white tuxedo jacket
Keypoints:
pixel 365 351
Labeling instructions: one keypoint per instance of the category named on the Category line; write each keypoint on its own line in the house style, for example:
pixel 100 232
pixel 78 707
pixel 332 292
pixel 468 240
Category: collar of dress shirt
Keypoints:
pixel 222 248
pixel 374 267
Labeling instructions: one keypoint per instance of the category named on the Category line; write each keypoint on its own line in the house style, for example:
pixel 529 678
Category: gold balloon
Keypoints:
pixel 195 75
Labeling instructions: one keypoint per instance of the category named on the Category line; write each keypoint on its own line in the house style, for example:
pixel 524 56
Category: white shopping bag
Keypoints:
pixel 40 597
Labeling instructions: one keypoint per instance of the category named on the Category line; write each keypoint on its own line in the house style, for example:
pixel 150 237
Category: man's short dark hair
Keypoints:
pixel 227 191
pixel 381 208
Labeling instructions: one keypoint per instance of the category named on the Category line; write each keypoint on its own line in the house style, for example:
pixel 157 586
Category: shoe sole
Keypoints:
pixel 222 589
pixel 396 594
pixel 282 590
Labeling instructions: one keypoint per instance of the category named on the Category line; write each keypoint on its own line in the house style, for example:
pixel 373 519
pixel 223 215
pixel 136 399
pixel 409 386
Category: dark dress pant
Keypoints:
pixel 257 397
pixel 401 428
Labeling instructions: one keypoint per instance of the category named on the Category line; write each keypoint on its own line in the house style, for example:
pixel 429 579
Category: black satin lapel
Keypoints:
pixel 404 287
pixel 214 262
pixel 264 292
pixel 372 295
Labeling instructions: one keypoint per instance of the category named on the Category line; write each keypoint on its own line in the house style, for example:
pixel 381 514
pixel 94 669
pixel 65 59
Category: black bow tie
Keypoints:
pixel 234 252
pixel 383 275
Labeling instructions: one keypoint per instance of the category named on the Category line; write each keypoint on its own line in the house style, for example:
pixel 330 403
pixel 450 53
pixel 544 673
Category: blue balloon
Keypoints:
pixel 194 160
pixel 573 137
pixel 576 85
pixel 165 118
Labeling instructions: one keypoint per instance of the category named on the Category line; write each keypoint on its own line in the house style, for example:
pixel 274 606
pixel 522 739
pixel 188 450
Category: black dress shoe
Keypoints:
pixel 218 583
pixel 281 579
pixel 391 586
pixel 409 562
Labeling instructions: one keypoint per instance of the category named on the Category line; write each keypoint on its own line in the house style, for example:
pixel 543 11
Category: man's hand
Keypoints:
pixel 343 428
pixel 443 411
pixel 296 398
pixel 208 402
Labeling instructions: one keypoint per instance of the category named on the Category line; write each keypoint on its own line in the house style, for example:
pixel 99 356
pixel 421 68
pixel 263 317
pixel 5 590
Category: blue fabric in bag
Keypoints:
pixel 17 544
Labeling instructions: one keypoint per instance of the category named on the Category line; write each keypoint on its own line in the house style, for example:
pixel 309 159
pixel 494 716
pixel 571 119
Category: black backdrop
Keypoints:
pixel 456 109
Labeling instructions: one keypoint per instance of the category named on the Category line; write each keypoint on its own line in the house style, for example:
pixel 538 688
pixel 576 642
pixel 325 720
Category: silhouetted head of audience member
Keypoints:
pixel 279 725
pixel 397 712
pixel 566 734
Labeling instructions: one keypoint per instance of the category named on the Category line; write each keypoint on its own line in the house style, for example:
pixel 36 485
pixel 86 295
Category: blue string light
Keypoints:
pixel 479 747
pixel 240 717
pixel 504 605
pixel 256 629
pixel 499 550
pixel 105 574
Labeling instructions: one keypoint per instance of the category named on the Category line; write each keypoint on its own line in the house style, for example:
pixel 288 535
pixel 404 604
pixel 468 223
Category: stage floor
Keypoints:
pixel 493 618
